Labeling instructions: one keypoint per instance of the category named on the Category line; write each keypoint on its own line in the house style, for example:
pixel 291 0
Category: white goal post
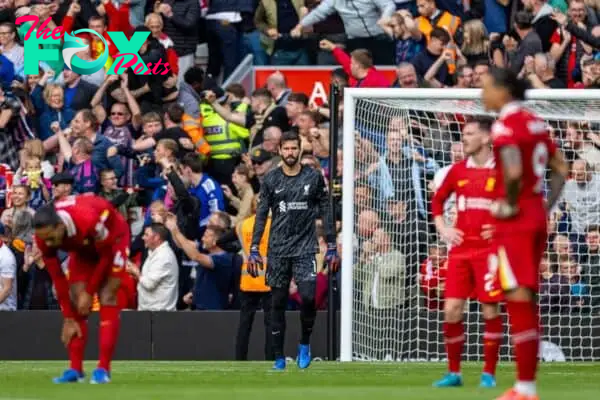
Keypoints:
pixel 391 282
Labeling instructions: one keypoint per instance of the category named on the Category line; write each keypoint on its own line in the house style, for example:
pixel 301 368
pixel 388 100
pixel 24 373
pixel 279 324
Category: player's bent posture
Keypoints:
pixel 523 150
pixel 96 237
pixel 472 181
pixel 295 195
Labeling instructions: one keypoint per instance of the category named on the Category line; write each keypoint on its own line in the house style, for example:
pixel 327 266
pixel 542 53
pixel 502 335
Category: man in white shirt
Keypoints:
pixel 8 279
pixel 158 280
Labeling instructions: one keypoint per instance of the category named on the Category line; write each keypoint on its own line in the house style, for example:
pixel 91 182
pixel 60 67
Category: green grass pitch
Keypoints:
pixel 254 381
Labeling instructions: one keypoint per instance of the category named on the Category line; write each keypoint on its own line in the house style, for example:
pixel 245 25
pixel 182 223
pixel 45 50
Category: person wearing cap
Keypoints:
pixel 62 185
pixel 262 162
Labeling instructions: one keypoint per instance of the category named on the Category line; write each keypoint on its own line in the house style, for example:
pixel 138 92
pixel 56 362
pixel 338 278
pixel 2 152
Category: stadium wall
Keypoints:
pixel 210 335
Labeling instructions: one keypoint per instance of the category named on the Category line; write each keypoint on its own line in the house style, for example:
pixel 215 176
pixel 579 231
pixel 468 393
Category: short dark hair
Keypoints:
pixel 160 230
pixel 509 80
pixel 523 19
pixel 46 216
pixel 194 75
pixel 175 112
pixel 441 34
pixel 298 97
pixel 485 123
pixel 193 161
pixel 290 136
pixel 237 90
pixel 89 116
pixel 592 228
pixel 262 92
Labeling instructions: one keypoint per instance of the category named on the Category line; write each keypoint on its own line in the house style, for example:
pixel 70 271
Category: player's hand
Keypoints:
pixel 84 303
pixel 332 258
pixel 452 236
pixel 255 262
pixel 70 330
pixel 487 231
pixel 502 210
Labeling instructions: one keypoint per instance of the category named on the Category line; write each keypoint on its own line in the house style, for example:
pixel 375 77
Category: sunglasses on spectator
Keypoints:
pixel 258 162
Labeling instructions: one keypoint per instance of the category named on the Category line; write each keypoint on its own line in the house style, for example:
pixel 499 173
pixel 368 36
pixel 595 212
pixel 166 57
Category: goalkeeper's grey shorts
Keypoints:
pixel 280 270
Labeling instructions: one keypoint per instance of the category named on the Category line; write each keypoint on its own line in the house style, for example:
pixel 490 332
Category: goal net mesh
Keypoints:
pixel 402 149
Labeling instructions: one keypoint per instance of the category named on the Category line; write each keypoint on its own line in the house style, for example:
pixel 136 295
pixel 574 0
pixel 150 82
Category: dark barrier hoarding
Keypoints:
pixel 210 335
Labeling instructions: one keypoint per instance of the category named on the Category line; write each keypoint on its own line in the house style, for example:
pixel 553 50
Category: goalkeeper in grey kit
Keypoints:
pixel 296 195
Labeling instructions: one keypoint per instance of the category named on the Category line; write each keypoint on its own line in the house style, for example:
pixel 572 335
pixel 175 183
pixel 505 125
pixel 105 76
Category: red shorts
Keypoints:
pixel 470 275
pixel 82 266
pixel 518 257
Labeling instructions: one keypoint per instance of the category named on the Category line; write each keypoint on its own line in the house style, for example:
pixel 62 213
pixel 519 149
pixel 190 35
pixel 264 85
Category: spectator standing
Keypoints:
pixel 36 284
pixel 215 268
pixel 566 49
pixel 20 199
pixel 542 21
pixel 10 48
pixel 581 197
pixel 529 45
pixel 254 292
pixel 360 19
pixel 62 185
pixel 542 76
pixel 590 266
pixel 180 19
pixel 278 88
pixel 159 276
pixel 78 93
pixel 433 63
pixel 359 65
pixel 243 201
pixel 225 38
pixel 430 17
pixel 8 279
pixel 402 28
pixel 275 19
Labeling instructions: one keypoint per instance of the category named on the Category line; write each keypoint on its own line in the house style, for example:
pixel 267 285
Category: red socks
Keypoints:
pixel 76 347
pixel 454 337
pixel 525 332
pixel 110 323
pixel 492 338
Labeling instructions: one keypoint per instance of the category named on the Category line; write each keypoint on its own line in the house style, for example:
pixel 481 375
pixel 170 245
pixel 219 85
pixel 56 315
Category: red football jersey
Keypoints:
pixel 517 126
pixel 474 190
pixel 93 228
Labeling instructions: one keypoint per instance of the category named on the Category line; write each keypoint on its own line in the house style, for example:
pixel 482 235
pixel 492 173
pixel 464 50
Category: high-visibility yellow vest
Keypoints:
pixel 237 130
pixel 224 142
pixel 193 127
pixel 450 23
pixel 249 283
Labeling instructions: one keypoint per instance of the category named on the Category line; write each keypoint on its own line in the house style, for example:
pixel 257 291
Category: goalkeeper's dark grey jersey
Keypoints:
pixel 295 202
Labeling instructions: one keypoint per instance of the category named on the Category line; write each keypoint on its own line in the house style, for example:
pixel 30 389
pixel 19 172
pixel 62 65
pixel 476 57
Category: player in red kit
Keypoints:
pixel 472 182
pixel 523 151
pixel 96 237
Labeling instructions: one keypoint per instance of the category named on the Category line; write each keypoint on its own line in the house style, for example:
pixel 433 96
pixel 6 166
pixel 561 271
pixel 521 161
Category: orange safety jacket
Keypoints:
pixel 193 127
pixel 244 230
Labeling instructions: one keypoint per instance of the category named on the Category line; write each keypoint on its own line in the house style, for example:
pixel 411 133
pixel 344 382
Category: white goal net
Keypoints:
pixel 397 143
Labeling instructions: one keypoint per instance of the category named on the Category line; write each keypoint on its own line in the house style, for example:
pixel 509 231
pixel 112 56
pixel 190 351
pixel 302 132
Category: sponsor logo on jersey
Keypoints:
pixel 490 184
pixel 462 182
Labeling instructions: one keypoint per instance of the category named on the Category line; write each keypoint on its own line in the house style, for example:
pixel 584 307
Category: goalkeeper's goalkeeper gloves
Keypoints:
pixel 332 257
pixel 255 262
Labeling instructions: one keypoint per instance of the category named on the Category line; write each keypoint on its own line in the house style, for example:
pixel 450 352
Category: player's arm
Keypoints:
pixel 559 170
pixel 447 187
pixel 512 171
pixel 104 241
pixel 327 214
pixel 262 212
pixel 61 285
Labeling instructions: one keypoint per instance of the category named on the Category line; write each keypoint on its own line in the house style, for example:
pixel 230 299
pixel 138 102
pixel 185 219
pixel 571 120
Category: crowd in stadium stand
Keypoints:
pixel 183 158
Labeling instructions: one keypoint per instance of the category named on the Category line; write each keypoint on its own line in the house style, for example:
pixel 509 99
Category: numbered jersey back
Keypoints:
pixel 519 127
